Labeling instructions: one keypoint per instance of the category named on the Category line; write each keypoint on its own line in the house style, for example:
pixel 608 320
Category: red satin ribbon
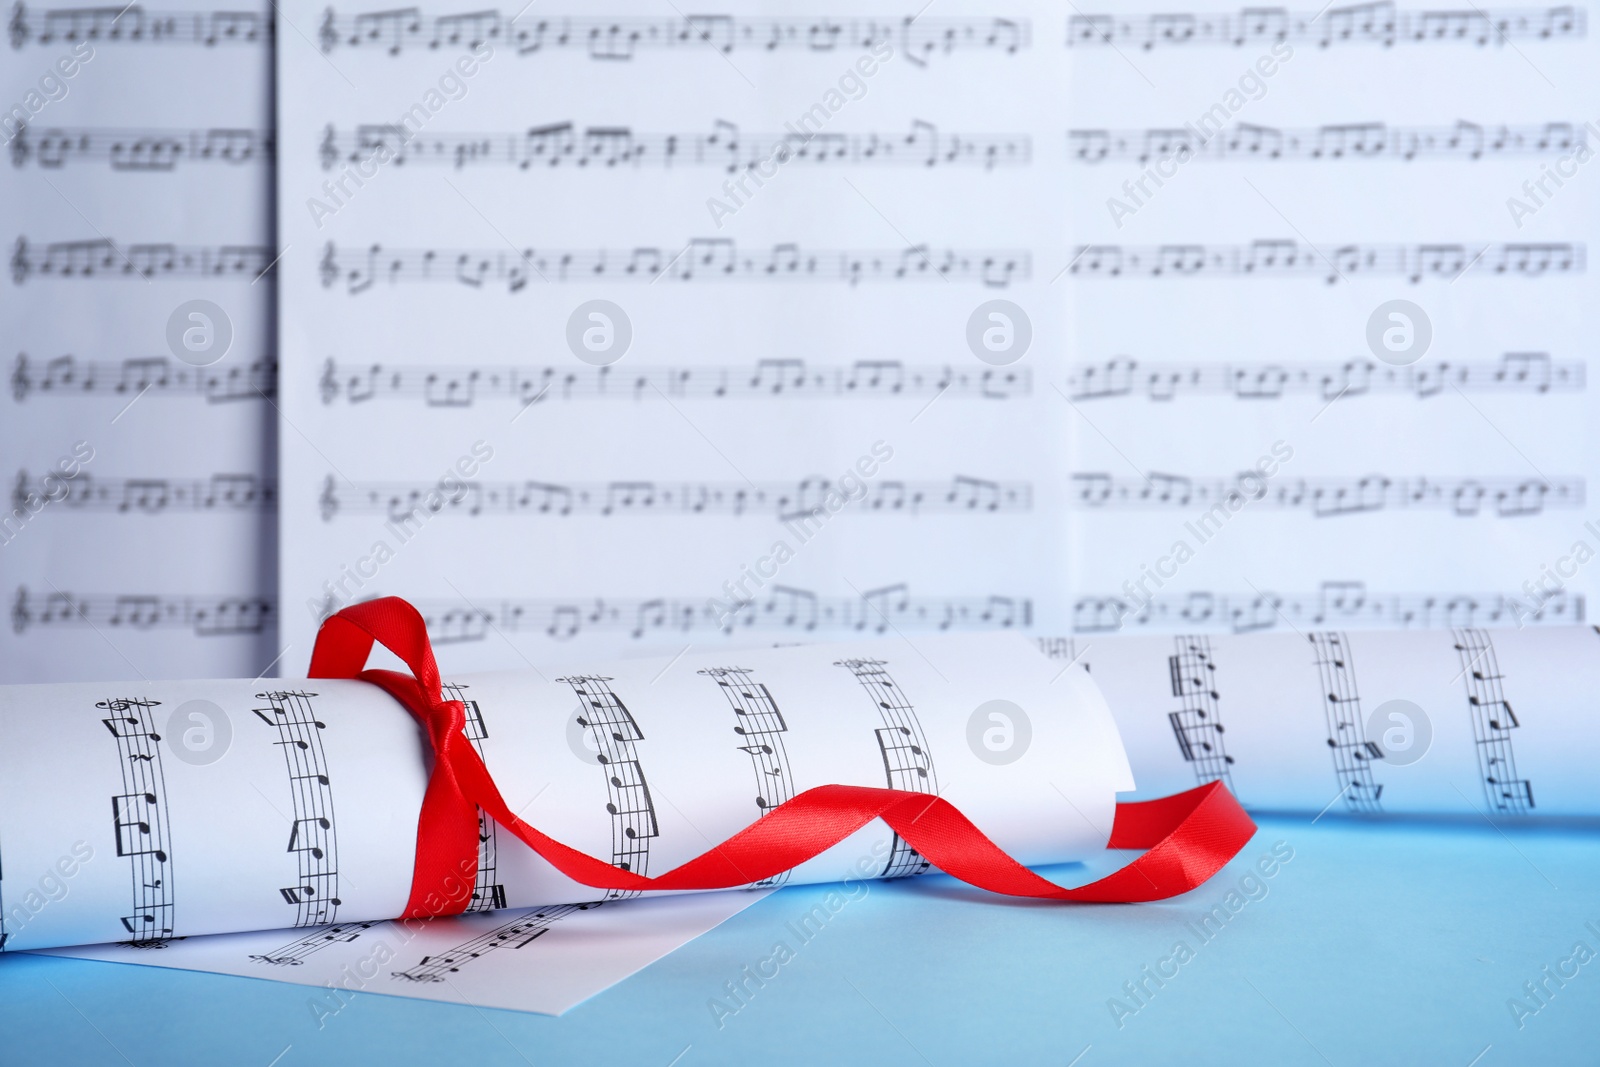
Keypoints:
pixel 1189 836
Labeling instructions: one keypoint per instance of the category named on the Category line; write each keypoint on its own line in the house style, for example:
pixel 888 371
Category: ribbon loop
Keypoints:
pixel 1188 836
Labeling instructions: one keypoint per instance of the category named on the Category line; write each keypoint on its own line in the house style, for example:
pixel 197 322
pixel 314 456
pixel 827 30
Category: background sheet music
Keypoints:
pixel 139 533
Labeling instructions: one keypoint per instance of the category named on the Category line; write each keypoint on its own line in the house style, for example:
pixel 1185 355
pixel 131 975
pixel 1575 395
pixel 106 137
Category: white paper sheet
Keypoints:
pixel 1209 320
pixel 138 534
pixel 1251 190
pixel 226 806
pixel 1456 722
pixel 788 346
pixel 542 960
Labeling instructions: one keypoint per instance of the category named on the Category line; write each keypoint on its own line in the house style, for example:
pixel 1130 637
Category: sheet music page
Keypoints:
pixel 542 960
pixel 1335 311
pixel 203 807
pixel 620 329
pixel 1466 721
pixel 138 534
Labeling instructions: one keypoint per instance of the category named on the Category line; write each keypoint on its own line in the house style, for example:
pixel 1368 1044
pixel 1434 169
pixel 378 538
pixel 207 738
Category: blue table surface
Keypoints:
pixel 1376 943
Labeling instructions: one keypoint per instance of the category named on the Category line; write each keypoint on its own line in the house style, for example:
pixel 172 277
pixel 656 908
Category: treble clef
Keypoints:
pixel 19 26
pixel 330 383
pixel 19 145
pixel 20 616
pixel 19 261
pixel 20 383
pixel 117 705
pixel 326 34
pixel 330 154
pixel 330 269
pixel 330 500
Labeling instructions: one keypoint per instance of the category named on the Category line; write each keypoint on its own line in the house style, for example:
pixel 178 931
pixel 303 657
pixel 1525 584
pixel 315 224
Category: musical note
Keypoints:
pixel 1332 497
pixel 1516 372
pixel 1277 258
pixel 619 38
pixel 1379 23
pixel 707 259
pixel 1064 649
pixel 132 818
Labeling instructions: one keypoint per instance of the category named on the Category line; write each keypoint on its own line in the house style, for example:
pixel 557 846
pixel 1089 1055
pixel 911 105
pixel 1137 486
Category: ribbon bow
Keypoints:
pixel 1189 836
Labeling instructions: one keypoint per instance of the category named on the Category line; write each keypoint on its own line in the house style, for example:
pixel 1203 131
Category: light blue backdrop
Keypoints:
pixel 1374 944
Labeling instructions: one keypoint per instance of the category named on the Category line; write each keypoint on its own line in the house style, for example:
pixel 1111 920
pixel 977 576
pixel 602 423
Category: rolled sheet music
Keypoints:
pixel 145 811
pixel 1497 723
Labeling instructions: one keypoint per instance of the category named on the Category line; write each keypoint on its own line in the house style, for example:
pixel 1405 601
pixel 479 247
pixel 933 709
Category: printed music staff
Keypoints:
pixel 103 259
pixel 702 259
pixel 614 38
pixel 132 24
pixel 1467 141
pixel 786 501
pixel 295 953
pixel 1492 723
pixel 160 376
pixel 313 838
pixel 141 152
pixel 759 727
pixel 1197 725
pixel 52 148
pixel 1353 755
pixel 1327 497
pixel 615 734
pixel 1290 259
pixel 781 609
pixel 1380 23
pixel 907 761
pixel 216 616
pixel 1516 372
pixel 518 933
pixel 140 820
pixel 151 496
pixel 488 893
pixel 564 145
pixel 1340 603
pixel 454 386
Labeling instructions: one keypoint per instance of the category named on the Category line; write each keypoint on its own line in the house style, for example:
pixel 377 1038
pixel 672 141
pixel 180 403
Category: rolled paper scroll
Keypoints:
pixel 168 809
pixel 1465 721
